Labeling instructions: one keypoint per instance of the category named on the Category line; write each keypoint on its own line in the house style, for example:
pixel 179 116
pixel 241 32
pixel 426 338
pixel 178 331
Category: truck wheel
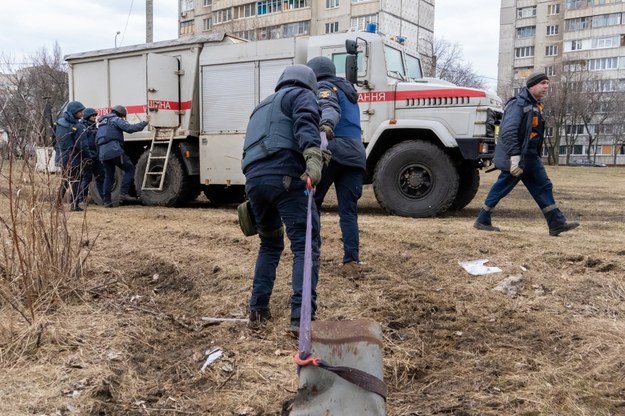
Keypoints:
pixel 467 187
pixel 117 184
pixel 220 194
pixel 415 179
pixel 175 187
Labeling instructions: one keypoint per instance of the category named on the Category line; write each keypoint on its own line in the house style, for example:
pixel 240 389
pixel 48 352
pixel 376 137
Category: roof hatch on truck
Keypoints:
pixel 163 90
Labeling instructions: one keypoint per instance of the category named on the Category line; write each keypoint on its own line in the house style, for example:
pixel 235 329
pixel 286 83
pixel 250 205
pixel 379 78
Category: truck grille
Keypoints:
pixel 437 101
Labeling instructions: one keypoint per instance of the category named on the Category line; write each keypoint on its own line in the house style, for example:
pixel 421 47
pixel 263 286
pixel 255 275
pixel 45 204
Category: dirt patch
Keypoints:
pixel 132 340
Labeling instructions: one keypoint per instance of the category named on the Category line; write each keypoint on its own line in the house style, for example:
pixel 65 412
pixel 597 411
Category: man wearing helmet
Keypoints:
pixel 66 135
pixel 110 141
pixel 340 120
pixel 280 152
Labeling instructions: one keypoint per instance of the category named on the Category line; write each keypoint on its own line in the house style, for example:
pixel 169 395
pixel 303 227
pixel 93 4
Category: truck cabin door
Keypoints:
pixel 163 90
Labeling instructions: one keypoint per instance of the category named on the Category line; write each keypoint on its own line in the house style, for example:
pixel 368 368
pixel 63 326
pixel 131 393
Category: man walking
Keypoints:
pixel 340 120
pixel 518 155
pixel 110 141
pixel 280 152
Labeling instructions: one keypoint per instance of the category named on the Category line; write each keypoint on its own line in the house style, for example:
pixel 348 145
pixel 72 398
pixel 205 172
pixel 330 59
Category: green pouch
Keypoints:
pixel 246 219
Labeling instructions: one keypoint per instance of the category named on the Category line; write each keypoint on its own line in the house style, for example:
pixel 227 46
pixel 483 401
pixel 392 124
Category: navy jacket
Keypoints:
pixel 515 129
pixel 300 105
pixel 66 135
pixel 110 135
pixel 86 138
pixel 338 101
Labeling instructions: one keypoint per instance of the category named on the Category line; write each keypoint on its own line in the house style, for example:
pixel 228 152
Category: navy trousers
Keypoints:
pixel 277 200
pixel 109 166
pixel 348 184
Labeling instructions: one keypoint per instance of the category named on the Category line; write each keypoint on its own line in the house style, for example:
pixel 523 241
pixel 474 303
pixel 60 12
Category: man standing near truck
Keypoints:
pixel 66 134
pixel 340 121
pixel 280 152
pixel 110 141
pixel 518 154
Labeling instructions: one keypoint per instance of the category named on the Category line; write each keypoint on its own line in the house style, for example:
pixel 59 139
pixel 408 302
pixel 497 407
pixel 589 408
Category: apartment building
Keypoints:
pixel 272 19
pixel 557 36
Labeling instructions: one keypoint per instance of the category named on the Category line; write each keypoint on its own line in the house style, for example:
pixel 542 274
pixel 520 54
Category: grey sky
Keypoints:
pixel 474 24
pixel 83 25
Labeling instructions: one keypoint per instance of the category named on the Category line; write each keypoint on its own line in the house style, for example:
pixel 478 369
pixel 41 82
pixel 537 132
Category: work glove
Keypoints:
pixel 314 161
pixel 515 170
pixel 326 156
pixel 325 128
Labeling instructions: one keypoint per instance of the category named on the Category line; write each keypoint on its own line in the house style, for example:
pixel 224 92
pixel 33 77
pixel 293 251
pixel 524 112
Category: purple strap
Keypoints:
pixel 305 322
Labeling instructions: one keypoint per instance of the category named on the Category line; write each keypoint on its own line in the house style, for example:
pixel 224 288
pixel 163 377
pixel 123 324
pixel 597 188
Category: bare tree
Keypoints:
pixel 31 95
pixel 450 65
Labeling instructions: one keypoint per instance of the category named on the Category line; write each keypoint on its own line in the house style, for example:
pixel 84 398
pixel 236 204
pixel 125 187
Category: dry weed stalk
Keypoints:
pixel 41 254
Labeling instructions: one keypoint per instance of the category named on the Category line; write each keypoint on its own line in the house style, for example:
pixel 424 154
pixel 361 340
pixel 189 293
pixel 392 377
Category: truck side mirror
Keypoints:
pixel 351 68
pixel 351 46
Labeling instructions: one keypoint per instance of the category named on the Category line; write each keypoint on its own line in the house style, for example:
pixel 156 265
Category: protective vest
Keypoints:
pixel 349 123
pixel 269 130
pixel 106 132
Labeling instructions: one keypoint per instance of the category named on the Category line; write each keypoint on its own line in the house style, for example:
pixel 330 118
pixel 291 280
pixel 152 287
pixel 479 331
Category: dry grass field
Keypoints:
pixel 127 337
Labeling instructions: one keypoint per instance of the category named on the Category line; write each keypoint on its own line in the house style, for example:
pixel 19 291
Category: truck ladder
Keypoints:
pixel 162 137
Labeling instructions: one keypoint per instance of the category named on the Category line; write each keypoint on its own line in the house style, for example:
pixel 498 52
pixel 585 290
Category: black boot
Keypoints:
pixel 483 221
pixel 562 228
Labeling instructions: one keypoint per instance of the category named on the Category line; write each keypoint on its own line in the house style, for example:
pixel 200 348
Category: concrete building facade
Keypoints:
pixel 272 19
pixel 566 35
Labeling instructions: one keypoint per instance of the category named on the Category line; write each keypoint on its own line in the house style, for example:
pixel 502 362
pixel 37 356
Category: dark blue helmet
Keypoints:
pixel 88 113
pixel 74 107
pixel 299 75
pixel 322 66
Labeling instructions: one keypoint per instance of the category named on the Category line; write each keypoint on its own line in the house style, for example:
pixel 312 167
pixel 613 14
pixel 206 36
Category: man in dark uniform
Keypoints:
pixel 91 165
pixel 281 151
pixel 340 120
pixel 518 155
pixel 66 135
pixel 110 141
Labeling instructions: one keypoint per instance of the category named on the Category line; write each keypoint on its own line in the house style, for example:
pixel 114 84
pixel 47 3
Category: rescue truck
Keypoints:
pixel 425 139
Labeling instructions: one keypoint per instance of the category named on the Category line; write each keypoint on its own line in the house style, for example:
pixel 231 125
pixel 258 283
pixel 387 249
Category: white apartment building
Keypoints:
pixel 272 19
pixel 550 35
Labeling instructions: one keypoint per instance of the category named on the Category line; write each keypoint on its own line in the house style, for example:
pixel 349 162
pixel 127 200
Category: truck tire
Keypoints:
pixel 117 184
pixel 415 179
pixel 220 194
pixel 177 185
pixel 469 183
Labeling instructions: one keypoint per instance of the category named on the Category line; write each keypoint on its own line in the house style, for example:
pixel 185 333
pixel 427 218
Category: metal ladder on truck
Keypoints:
pixel 162 137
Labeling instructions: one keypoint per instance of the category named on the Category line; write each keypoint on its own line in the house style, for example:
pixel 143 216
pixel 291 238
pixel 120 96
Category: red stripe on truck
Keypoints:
pixel 378 96
pixel 142 108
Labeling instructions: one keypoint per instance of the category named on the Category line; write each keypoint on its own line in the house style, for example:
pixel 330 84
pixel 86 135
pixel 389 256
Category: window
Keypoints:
pixel 222 16
pixel 609 42
pixel 332 27
pixel 208 3
pixel 601 64
pixel 552 30
pixel 550 71
pixel 524 52
pixel 268 6
pixel 414 67
pixel 551 50
pixel 525 32
pixel 553 9
pixel 247 10
pixel 339 60
pixel 186 27
pixel 294 4
pixel 579 23
pixel 186 5
pixel 297 28
pixel 246 34
pixel 358 1
pixel 526 12
pixel 207 23
pixel 360 22
pixel 606 20
pixel 523 72
pixel 576 45
pixel 331 4
pixel 394 63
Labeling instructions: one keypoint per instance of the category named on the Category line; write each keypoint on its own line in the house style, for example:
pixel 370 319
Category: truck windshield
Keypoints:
pixel 414 67
pixel 394 63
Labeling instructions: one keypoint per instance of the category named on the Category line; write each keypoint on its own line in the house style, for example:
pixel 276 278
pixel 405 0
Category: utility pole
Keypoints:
pixel 149 21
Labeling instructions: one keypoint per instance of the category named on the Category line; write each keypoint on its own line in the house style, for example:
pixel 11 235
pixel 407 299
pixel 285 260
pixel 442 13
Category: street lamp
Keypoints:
pixel 116 34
